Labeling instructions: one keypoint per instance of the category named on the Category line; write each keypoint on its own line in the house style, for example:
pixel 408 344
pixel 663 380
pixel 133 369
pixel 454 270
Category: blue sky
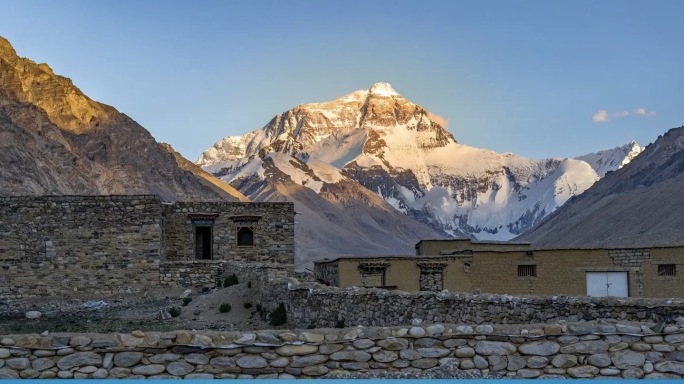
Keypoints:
pixel 537 78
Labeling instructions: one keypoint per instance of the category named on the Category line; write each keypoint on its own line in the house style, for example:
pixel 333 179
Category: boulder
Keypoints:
pixel 485 347
pixel 31 315
pixel 179 368
pixel 627 359
pixel 296 350
pixel 539 348
pixel 393 344
pixel 252 362
pixel 79 359
pixel 307 361
pixel 583 372
pixel 127 359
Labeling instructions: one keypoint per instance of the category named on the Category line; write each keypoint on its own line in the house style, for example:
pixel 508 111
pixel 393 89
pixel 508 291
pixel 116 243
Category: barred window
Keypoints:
pixel 527 271
pixel 667 270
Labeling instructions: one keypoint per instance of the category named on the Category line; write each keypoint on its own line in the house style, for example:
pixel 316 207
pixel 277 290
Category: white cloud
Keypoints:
pixel 643 112
pixel 600 116
pixel 438 119
pixel 603 116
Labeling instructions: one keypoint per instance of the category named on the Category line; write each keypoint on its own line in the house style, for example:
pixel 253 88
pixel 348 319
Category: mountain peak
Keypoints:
pixel 6 49
pixel 612 159
pixel 383 89
pixel 25 81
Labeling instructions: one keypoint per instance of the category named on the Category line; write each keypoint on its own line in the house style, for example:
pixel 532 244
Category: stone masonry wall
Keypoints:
pixel 328 273
pixel 581 350
pixel 65 245
pixel 272 223
pixel 102 245
pixel 269 281
pixel 198 274
pixel 323 306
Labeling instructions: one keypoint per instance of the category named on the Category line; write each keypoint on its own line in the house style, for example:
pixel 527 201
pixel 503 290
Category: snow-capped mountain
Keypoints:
pixel 399 151
pixel 612 159
pixel 636 206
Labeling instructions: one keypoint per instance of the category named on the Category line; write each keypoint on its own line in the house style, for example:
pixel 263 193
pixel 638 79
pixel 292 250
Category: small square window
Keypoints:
pixel 527 271
pixel 667 270
pixel 245 237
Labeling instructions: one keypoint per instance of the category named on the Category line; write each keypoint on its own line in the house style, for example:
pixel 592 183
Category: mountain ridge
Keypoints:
pixel 611 159
pixel 56 140
pixel 644 198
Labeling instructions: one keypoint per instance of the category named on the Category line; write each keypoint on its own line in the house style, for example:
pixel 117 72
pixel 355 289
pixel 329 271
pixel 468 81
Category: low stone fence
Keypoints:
pixel 312 304
pixel 578 350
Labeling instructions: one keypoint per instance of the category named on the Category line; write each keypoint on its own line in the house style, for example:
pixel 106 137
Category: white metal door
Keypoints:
pixel 607 284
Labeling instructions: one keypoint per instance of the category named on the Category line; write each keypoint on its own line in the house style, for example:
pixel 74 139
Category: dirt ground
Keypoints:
pixel 127 313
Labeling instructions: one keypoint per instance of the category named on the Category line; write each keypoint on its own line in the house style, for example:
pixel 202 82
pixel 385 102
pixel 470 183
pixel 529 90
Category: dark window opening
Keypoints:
pixel 667 270
pixel 203 243
pixel 527 271
pixel 245 237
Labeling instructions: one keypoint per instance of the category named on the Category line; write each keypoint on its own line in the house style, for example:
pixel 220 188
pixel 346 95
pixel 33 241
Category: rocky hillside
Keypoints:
pixel 335 215
pixel 56 140
pixel 398 150
pixel 641 204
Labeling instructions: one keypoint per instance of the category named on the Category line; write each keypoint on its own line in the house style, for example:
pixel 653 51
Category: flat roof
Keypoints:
pixel 386 257
pixel 483 242
pixel 361 257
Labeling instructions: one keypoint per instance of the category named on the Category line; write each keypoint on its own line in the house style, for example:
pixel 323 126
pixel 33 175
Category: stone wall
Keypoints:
pixel 328 273
pixel 580 350
pixel 97 246
pixel 196 273
pixel 326 306
pixel 272 224
pixel 66 245
pixel 269 281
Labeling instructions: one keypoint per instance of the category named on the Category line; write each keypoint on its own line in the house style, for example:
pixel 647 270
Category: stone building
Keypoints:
pixel 516 269
pixel 65 245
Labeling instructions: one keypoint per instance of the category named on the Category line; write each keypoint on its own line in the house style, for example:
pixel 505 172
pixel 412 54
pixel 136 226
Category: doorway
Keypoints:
pixel 203 243
pixel 601 284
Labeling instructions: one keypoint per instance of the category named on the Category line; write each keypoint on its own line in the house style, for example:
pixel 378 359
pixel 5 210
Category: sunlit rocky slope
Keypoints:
pixel 56 140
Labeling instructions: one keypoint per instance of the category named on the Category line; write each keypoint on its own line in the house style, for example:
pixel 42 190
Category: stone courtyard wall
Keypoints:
pixel 580 350
pixel 312 304
pixel 66 245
